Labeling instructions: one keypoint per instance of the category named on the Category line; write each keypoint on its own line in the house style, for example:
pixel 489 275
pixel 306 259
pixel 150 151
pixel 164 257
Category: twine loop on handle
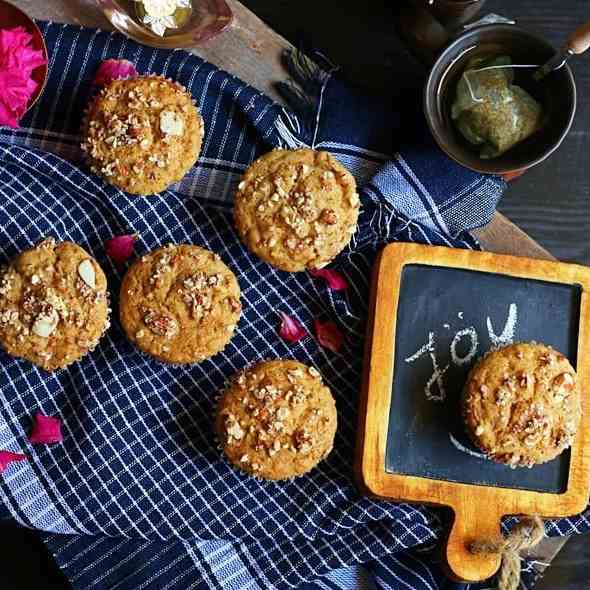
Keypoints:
pixel 526 535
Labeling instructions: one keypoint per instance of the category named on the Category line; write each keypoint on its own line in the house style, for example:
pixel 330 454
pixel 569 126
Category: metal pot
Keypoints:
pixel 557 93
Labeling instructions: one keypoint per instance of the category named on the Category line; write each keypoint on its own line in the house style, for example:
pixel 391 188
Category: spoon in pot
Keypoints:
pixel 578 42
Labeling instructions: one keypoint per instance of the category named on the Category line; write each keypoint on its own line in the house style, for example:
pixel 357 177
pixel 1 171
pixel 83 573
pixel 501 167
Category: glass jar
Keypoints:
pixel 201 21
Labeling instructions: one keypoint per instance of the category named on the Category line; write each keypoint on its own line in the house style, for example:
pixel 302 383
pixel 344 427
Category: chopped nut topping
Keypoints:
pixel 328 217
pixel 171 123
pixel 87 273
pixel 45 324
pixel 564 381
pixel 546 359
pixel 161 325
pixel 233 429
pixel 503 396
pixel 523 379
pixel 302 441
pixel 8 317
pixel 276 447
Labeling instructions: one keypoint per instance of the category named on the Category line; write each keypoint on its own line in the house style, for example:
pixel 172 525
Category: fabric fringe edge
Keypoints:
pixel 303 92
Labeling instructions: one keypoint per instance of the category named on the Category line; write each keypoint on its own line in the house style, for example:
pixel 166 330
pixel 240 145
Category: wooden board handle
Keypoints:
pixel 474 521
pixel 579 40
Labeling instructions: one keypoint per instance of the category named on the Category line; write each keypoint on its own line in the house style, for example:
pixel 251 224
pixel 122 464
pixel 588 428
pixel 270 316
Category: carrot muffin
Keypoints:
pixel 521 404
pixel 277 420
pixel 180 304
pixel 142 134
pixel 296 209
pixel 53 304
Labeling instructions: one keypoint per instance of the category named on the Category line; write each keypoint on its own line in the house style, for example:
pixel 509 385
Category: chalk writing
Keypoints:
pixel 437 373
pixel 507 335
pixel 463 360
pixel 428 347
pixel 438 393
pixel 465 449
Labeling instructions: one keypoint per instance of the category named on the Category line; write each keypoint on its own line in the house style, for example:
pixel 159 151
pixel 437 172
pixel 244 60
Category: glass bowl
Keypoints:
pixel 208 18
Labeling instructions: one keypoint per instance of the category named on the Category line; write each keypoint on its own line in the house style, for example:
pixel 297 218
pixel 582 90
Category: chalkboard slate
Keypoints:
pixel 438 306
pixel 434 312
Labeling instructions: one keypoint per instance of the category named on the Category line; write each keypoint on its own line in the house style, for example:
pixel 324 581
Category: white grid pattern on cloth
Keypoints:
pixel 97 419
pixel 138 458
pixel 222 565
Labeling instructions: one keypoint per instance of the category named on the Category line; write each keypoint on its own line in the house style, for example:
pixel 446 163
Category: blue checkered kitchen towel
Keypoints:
pixel 138 484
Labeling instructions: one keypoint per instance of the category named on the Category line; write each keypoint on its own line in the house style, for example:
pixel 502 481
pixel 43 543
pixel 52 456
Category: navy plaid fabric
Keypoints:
pixel 138 483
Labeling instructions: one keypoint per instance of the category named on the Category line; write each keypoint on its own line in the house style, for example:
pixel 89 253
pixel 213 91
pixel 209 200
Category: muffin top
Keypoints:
pixel 180 304
pixel 522 404
pixel 296 209
pixel 277 420
pixel 142 134
pixel 53 304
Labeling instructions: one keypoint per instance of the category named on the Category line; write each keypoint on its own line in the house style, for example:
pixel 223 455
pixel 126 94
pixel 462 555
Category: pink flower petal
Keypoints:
pixel 120 248
pixel 17 53
pixel 328 335
pixel 113 69
pixel 8 457
pixel 46 430
pixel 291 330
pixel 335 280
pixel 18 59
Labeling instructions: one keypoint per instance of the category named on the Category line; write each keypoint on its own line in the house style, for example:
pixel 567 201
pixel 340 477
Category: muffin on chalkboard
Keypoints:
pixel 296 209
pixel 276 420
pixel 142 134
pixel 521 404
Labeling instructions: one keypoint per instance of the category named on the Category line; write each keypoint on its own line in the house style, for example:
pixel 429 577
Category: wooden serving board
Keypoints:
pixel 449 308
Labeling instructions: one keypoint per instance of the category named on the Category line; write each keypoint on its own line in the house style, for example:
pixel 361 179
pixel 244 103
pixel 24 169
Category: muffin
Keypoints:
pixel 180 304
pixel 142 134
pixel 53 304
pixel 296 209
pixel 276 420
pixel 521 404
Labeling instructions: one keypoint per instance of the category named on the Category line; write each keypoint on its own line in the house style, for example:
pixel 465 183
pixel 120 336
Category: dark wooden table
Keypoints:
pixel 551 203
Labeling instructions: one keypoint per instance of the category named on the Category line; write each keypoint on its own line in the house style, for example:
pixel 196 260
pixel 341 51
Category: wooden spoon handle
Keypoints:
pixel 579 40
